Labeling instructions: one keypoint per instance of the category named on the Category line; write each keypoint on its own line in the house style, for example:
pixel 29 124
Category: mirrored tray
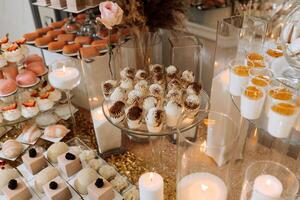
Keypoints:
pixel 143 131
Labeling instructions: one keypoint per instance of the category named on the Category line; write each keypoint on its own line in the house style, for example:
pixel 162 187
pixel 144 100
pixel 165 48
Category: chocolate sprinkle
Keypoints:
pixel 99 183
pixel 12 184
pixel 196 87
pixel 32 153
pixel 191 105
pixel 157 69
pixel 70 156
pixel 134 113
pixel 53 185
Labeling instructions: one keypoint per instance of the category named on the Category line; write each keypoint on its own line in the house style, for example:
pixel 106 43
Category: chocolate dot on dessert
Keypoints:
pixel 117 108
pixel 12 184
pixel 134 113
pixel 32 153
pixel 107 87
pixel 70 156
pixel 99 183
pixel 53 185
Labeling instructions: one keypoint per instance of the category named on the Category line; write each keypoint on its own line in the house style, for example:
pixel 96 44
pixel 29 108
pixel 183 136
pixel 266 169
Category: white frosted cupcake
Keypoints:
pixel 55 95
pixel 134 117
pixel 187 77
pixel 29 109
pixel 141 75
pixel 174 84
pixel 142 88
pixel 156 90
pixel 126 84
pixel 3 61
pixel 155 119
pixel 119 94
pixel 117 112
pixel 44 103
pixel 108 88
pixel 150 102
pixel 11 112
pixel 194 88
pixel 172 72
pixel 173 112
pixel 174 95
pixel 127 72
pixel 133 98
pixel 192 105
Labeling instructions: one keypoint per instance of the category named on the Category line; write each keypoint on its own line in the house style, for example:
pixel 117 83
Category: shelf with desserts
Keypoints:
pixel 70 170
pixel 263 98
pixel 70 6
pixel 68 37
pixel 151 104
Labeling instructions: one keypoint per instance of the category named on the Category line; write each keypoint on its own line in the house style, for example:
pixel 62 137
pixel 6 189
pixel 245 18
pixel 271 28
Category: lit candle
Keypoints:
pixel 266 187
pixel 201 186
pixel 65 78
pixel 151 186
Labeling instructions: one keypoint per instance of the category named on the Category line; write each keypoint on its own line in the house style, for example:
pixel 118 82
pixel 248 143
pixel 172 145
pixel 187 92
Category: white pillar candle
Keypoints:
pixel 151 186
pixel 266 187
pixel 65 78
pixel 201 186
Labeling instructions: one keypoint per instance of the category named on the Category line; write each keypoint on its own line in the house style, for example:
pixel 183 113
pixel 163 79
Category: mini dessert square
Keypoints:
pixel 57 189
pixel 69 163
pixel 100 189
pixel 16 190
pixel 34 161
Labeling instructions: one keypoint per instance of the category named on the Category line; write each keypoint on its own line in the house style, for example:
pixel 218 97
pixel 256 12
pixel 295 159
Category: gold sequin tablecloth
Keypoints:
pixel 137 157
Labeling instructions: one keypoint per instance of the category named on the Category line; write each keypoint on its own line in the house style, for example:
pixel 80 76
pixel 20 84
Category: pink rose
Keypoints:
pixel 111 14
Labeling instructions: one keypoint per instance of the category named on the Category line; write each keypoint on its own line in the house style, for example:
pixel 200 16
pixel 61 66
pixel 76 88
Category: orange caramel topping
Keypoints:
pixel 253 92
pixel 260 81
pixel 255 56
pixel 279 47
pixel 274 54
pixel 241 70
pixel 285 109
pixel 281 94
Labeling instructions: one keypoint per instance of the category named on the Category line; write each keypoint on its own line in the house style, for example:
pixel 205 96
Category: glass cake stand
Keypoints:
pixel 143 131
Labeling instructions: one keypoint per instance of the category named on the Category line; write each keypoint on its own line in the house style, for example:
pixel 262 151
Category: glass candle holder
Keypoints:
pixel 268 180
pixel 239 76
pixel 204 155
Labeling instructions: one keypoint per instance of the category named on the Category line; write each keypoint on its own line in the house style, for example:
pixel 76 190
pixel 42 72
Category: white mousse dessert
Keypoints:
pixel 239 77
pixel 277 95
pixel 252 102
pixel 44 103
pixel 29 109
pixel 150 102
pixel 119 94
pixel 173 112
pixel 117 112
pixel 11 112
pixel 134 117
pixel 155 119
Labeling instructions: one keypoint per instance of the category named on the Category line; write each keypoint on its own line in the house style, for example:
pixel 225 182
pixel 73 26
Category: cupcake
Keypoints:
pixel 108 88
pixel 156 90
pixel 117 112
pixel 174 84
pixel 154 120
pixel 29 109
pixel 11 112
pixel 141 88
pixel 54 94
pixel 187 77
pixel 174 95
pixel 127 84
pixel 192 105
pixel 194 88
pixel 156 68
pixel 173 112
pixel 141 75
pixel 134 117
pixel 171 72
pixel 150 102
pixel 44 103
pixel 119 94
pixel 133 98
pixel 127 72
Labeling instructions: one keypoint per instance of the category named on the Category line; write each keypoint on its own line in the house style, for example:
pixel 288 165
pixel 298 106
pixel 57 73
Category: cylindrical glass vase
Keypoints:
pixel 267 180
pixel 203 159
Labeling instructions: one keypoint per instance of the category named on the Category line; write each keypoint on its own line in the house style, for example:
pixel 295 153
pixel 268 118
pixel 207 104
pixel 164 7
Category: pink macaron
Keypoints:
pixel 38 68
pixel 26 78
pixel 7 86
pixel 33 58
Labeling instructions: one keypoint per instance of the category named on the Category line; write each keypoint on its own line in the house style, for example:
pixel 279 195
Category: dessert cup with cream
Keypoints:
pixel 282 117
pixel 134 116
pixel 173 112
pixel 239 76
pixel 261 78
pixel 117 112
pixel 256 60
pixel 155 119
pixel 252 102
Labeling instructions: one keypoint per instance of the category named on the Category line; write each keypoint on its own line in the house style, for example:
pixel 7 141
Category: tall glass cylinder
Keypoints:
pixel 204 155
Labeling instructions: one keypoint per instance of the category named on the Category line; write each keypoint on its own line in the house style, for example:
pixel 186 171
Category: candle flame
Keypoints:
pixel 203 187
pixel 151 176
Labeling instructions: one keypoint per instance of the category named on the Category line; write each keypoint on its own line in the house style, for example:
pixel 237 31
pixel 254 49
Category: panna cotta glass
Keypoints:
pixel 277 95
pixel 282 118
pixel 252 102
pixel 261 78
pixel 239 76
pixel 256 60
